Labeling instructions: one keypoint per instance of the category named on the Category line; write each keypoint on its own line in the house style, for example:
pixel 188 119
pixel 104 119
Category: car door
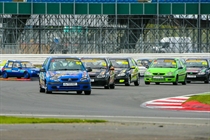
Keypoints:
pixel 16 70
pixel 8 68
pixel 134 69
pixel 181 70
pixel 43 70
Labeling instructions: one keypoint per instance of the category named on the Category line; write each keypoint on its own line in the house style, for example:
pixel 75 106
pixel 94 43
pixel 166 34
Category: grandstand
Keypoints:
pixel 101 26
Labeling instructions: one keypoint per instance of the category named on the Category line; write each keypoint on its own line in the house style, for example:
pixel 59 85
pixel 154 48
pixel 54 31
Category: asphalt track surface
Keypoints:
pixel 120 106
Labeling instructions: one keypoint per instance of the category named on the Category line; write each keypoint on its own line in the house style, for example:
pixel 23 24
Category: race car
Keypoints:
pixel 166 70
pixel 198 69
pixel 64 73
pixel 19 68
pixel 143 64
pixel 102 73
pixel 126 70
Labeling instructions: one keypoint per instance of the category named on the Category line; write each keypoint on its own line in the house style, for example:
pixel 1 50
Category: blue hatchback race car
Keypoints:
pixel 60 73
pixel 19 68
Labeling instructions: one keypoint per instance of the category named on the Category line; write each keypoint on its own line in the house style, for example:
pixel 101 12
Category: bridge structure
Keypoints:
pixel 103 26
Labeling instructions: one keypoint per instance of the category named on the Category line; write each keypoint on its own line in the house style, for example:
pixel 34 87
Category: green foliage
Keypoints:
pixel 203 98
pixel 21 120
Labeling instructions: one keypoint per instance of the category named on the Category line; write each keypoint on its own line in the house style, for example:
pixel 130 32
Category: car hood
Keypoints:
pixel 195 69
pixel 142 67
pixel 64 74
pixel 120 70
pixel 161 70
pixel 96 71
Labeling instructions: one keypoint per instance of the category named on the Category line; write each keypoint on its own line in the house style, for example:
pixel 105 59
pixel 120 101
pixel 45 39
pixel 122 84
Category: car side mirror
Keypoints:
pixel 88 69
pixel 132 67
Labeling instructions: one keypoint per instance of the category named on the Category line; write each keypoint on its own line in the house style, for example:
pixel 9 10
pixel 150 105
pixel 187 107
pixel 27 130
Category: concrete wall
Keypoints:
pixel 39 58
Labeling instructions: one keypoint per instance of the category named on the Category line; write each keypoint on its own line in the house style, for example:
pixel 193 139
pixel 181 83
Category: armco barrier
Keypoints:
pixel 39 58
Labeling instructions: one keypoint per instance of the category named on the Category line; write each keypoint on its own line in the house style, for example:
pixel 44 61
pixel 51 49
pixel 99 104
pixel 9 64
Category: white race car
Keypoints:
pixel 143 64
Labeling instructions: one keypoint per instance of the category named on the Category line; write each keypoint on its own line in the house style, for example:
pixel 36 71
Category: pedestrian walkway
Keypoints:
pixel 177 103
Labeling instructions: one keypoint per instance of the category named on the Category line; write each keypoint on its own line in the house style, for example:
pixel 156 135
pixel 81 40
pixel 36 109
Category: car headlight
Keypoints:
pixel 170 73
pixel 148 73
pixel 103 74
pixel 54 78
pixel 201 73
pixel 84 76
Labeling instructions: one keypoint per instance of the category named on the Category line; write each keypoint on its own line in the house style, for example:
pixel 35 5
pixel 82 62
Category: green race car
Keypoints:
pixel 166 70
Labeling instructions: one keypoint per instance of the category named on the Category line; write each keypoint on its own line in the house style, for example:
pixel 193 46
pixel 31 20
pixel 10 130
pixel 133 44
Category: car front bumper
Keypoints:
pixel 58 86
pixel 99 81
pixel 197 77
pixel 121 79
pixel 161 79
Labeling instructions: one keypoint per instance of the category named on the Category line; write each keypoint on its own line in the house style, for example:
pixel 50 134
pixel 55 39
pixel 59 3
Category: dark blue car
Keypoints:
pixel 59 73
pixel 19 69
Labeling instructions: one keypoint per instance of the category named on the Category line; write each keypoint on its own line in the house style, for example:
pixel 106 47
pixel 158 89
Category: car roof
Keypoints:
pixel 144 58
pixel 166 58
pixel 199 58
pixel 19 60
pixel 120 57
pixel 64 57
pixel 94 57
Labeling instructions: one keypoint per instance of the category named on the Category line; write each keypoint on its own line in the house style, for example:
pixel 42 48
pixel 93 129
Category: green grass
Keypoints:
pixel 203 98
pixel 26 120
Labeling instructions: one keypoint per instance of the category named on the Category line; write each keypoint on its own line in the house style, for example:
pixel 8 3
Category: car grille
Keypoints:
pixel 92 76
pixel 192 73
pixel 158 73
pixel 69 79
pixel 69 87
pixel 159 80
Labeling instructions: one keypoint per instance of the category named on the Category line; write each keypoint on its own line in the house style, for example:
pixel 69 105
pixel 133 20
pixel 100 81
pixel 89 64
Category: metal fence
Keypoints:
pixel 61 34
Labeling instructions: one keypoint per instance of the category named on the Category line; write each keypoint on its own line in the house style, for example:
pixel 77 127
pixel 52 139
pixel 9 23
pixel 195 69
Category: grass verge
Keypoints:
pixel 202 98
pixel 28 120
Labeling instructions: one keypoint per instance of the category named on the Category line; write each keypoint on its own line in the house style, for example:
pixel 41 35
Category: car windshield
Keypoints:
pixel 143 62
pixel 26 64
pixel 95 63
pixel 164 63
pixel 63 64
pixel 196 63
pixel 120 63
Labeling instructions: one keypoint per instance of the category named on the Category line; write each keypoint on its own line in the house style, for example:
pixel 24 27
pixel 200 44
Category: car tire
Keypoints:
pixel 185 81
pixel 137 82
pixel 79 92
pixel 128 83
pixel 107 86
pixel 87 92
pixel 112 86
pixel 207 80
pixel 147 83
pixel 47 91
pixel 176 82
pixel 41 90
pixel 4 74
pixel 26 75
pixel 157 83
